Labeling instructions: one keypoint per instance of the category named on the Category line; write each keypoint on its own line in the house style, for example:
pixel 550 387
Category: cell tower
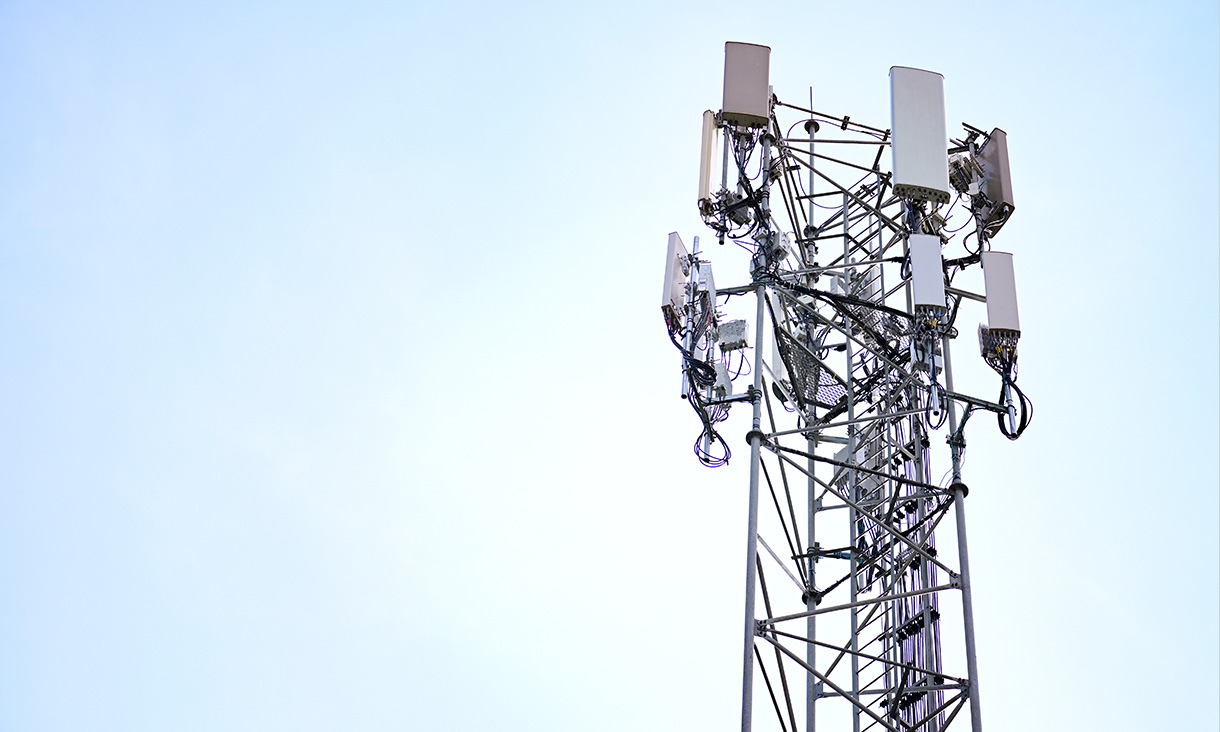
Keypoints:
pixel 850 383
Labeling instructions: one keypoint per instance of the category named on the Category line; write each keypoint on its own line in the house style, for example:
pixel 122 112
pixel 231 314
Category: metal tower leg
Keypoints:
pixel 747 672
pixel 963 556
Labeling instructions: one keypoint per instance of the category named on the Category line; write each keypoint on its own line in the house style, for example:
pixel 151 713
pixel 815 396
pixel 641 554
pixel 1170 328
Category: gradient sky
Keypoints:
pixel 334 392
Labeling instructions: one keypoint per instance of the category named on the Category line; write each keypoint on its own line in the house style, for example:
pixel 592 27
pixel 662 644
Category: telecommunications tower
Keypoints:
pixel 867 623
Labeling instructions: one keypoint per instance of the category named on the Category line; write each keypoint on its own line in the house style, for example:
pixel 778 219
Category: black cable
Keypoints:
pixel 1026 410
pixel 954 231
pixel 709 416
pixel 957 305
pixel 717 414
pixel 702 375
pixel 744 367
pixel 953 205
pixel 966 238
pixel 842 300
pixel 958 438
pixel 1005 364
pixel 942 396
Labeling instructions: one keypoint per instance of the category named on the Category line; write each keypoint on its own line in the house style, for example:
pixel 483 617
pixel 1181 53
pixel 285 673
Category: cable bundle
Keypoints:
pixel 701 375
pixel 1000 353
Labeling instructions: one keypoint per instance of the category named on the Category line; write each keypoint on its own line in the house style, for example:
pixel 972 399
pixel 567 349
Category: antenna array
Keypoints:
pixel 852 382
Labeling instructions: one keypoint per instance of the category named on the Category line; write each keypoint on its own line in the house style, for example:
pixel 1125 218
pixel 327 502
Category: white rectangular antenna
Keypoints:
pixel 706 156
pixel 997 179
pixel 779 371
pixel 1001 289
pixel 677 270
pixel 920 142
pixel 705 282
pixel 869 284
pixel 747 74
pixel 927 271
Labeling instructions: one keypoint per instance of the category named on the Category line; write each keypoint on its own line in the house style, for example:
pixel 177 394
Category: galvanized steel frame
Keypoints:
pixel 879 485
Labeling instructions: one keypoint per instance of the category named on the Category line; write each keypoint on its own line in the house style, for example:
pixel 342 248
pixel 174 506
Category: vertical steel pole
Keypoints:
pixel 691 279
pixel 811 623
pixel 724 173
pixel 963 556
pixel 747 681
pixel 852 480
pixel 755 436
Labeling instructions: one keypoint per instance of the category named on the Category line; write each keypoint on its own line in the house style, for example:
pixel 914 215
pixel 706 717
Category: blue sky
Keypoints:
pixel 333 391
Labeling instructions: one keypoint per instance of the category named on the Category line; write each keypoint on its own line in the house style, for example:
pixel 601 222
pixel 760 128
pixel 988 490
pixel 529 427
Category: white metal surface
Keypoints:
pixel 1001 288
pixel 927 271
pixel 997 178
pixel 724 383
pixel 705 282
pixel 674 296
pixel 920 142
pixel 747 71
pixel 707 154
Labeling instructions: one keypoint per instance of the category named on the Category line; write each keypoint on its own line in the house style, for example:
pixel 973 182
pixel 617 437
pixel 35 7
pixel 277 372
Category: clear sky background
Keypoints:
pixel 334 392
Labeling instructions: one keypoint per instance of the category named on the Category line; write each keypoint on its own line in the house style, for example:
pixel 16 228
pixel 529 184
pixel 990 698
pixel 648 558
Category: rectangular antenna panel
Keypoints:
pixel 704 282
pixel 778 369
pixel 747 84
pixel 927 271
pixel 997 180
pixel 676 271
pixel 724 384
pixel 1001 289
pixel 706 157
pixel 869 285
pixel 920 142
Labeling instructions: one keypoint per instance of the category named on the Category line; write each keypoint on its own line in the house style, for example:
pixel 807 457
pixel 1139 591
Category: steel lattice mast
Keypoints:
pixel 852 385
